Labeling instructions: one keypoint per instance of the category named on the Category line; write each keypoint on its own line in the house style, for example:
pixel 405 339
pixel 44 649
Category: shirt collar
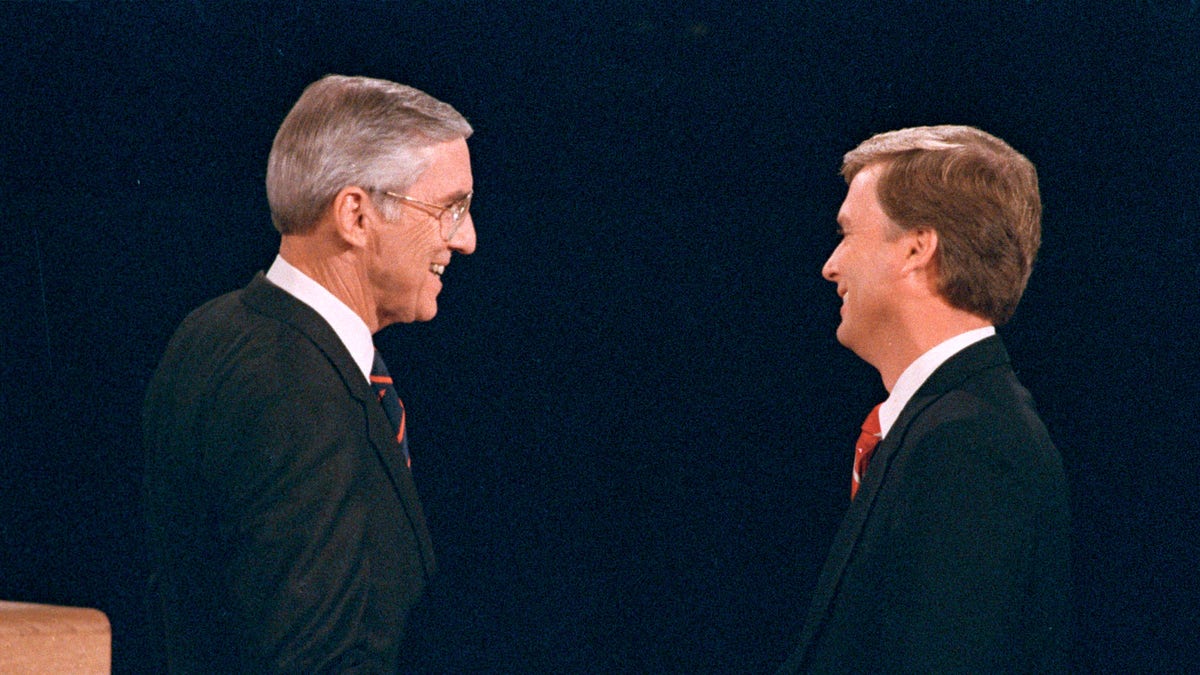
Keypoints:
pixel 349 326
pixel 918 371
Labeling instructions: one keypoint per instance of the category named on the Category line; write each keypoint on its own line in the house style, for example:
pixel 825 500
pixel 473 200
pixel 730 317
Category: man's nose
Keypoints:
pixel 829 270
pixel 463 240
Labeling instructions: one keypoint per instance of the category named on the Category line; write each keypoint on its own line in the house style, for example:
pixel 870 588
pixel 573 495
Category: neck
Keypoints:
pixel 335 268
pixel 919 331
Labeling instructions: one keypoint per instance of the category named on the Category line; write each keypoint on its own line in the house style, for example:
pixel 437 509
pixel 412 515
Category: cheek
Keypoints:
pixel 844 261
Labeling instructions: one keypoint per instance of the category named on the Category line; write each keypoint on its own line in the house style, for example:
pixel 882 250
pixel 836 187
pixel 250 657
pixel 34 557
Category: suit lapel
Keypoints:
pixel 986 353
pixel 269 299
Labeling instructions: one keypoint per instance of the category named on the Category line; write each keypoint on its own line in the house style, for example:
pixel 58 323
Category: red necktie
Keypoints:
pixel 381 382
pixel 863 448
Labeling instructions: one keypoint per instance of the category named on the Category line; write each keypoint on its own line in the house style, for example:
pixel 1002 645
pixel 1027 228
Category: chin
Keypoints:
pixel 845 337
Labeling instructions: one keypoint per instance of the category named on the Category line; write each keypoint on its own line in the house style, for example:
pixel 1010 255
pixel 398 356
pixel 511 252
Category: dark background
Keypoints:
pixel 630 420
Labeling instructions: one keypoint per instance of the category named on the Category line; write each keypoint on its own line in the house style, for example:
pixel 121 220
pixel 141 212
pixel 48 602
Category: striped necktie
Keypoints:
pixel 381 382
pixel 867 440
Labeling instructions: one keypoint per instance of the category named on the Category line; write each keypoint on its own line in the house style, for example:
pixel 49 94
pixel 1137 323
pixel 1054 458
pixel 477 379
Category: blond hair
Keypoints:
pixel 980 196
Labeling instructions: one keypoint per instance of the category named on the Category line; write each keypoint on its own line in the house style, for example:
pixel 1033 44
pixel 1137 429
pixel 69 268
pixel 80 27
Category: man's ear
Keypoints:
pixel 352 211
pixel 921 253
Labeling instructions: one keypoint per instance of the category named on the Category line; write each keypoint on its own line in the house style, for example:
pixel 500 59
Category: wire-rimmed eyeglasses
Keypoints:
pixel 457 210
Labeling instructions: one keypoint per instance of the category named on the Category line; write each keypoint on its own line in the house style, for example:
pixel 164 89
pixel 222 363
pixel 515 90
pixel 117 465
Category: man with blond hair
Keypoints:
pixel 285 530
pixel 953 555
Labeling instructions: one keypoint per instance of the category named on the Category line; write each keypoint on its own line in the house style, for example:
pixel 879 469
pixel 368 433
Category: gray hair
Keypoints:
pixel 361 131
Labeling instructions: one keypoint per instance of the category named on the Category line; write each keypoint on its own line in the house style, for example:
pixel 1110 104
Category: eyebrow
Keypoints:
pixel 454 198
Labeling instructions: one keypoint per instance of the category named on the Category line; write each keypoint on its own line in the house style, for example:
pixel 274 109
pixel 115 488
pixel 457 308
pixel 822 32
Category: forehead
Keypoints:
pixel 861 198
pixel 449 171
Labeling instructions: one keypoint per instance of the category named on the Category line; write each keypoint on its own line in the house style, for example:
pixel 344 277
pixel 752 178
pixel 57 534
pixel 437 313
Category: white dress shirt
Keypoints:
pixel 350 328
pixel 918 371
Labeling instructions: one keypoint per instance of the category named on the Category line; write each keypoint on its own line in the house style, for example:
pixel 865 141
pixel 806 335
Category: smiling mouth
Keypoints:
pixel 437 269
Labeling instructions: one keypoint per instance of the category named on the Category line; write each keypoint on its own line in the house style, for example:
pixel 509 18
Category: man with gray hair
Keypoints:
pixel 953 555
pixel 285 530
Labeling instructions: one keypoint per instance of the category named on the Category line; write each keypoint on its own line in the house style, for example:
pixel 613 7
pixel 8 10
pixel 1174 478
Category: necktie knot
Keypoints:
pixel 385 390
pixel 864 447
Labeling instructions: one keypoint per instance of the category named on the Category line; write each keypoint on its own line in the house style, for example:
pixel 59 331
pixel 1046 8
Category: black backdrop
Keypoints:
pixel 629 418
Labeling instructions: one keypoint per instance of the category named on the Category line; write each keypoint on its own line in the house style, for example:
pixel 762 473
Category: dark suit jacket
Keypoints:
pixel 954 557
pixel 285 531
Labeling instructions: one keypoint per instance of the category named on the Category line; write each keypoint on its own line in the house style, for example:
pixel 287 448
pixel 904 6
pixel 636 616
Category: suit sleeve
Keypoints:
pixel 287 458
pixel 960 549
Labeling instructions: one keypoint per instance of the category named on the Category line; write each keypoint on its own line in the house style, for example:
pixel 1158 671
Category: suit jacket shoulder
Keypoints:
pixel 283 521
pixel 954 554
